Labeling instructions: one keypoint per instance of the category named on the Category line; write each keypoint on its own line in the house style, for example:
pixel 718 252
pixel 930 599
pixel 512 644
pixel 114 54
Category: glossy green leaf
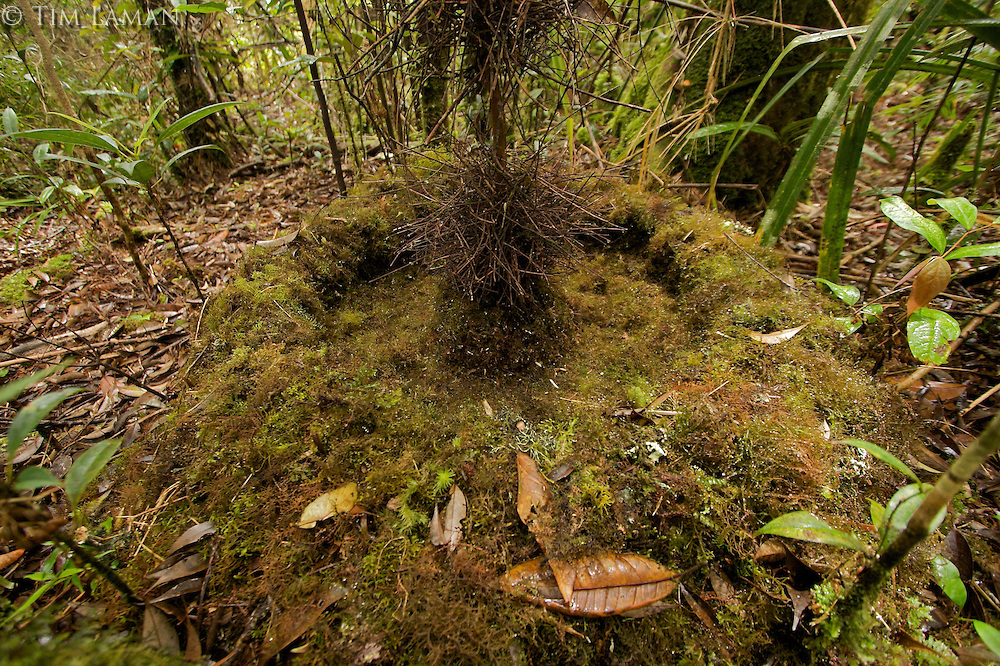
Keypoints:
pixel 984 250
pixel 847 293
pixel 872 311
pixel 947 576
pixel 86 468
pixel 34 477
pixel 877 513
pixel 881 454
pixel 70 137
pixel 900 212
pixel 9 121
pixel 929 332
pixel 959 208
pixel 901 508
pixel 990 636
pixel 805 526
pixel 182 124
pixel 847 324
pixel 28 418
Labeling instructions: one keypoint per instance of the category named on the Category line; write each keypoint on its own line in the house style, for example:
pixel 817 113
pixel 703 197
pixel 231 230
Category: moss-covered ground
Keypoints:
pixel 321 364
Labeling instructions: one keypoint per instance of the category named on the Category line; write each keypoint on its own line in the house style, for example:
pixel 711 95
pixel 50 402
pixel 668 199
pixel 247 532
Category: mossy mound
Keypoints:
pixel 296 393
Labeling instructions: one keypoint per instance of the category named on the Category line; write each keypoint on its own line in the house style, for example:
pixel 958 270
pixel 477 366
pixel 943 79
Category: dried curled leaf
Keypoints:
pixel 932 279
pixel 329 504
pixel 777 337
pixel 600 584
pixel 449 533
pixel 532 489
pixel 192 536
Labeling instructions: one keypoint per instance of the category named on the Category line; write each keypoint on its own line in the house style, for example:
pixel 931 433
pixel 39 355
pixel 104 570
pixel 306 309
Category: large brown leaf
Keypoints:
pixel 932 279
pixel 533 492
pixel 600 584
pixel 294 622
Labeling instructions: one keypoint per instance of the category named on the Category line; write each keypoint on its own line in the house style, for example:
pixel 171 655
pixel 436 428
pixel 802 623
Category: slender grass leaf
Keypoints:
pixel 10 121
pixel 203 8
pixel 984 250
pixel 947 576
pixel 959 208
pixel 11 390
pixel 928 333
pixel 881 454
pixel 804 526
pixel 900 212
pixel 723 128
pixel 28 418
pixel 990 636
pixel 70 137
pixel 86 468
pixel 184 153
pixel 846 293
pixel 988 33
pixel 182 124
pixel 787 195
pixel 34 477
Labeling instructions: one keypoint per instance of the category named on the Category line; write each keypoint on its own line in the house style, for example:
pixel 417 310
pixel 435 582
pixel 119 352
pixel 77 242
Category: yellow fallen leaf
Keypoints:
pixel 329 504
pixel 777 336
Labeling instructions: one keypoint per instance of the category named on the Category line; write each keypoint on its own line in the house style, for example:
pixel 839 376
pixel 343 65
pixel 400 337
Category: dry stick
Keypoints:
pixel 318 85
pixel 955 344
pixel 980 400
pixel 862 594
pixel 28 13
pixel 158 207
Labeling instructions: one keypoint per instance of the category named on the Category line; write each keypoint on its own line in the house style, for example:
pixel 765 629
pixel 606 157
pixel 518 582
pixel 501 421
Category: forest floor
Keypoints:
pixel 668 427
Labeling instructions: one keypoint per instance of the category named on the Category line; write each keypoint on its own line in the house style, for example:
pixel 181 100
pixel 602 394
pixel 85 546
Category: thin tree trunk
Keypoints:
pixel 67 109
pixel 318 85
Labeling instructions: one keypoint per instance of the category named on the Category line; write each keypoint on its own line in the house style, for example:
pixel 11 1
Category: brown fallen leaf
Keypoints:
pixel 186 567
pixel 329 504
pixel 777 337
pixel 180 589
pixel 9 558
pixel 700 608
pixel 296 621
pixel 192 535
pixel 801 600
pixel 932 279
pixel 158 631
pixel 604 584
pixel 721 585
pixel 533 492
pixel 449 533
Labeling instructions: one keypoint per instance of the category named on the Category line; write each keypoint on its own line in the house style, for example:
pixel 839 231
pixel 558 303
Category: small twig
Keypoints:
pixel 750 257
pixel 980 400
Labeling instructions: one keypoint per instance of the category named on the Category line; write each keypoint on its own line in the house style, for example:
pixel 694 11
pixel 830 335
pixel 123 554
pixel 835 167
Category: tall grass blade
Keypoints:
pixel 833 107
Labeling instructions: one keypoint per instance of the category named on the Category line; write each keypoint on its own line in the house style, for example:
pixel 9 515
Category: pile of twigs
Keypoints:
pixel 498 231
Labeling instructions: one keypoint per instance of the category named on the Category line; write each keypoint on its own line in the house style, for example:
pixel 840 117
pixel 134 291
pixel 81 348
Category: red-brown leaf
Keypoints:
pixel 602 584
pixel 532 489
pixel 932 279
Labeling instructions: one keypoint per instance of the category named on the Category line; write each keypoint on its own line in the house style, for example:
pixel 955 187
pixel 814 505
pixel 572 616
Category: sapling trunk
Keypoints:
pixel 862 594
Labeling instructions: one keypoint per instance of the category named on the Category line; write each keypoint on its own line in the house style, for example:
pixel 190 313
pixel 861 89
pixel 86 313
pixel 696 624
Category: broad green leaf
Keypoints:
pixel 31 415
pixel 9 121
pixel 182 124
pixel 33 477
pixel 883 455
pixel 990 636
pixel 984 250
pixel 140 170
pixel 947 576
pixel 41 152
pixel 847 324
pixel 847 293
pixel 11 390
pixel 872 311
pixel 86 468
pixel 805 526
pixel 72 137
pixel 900 212
pixel 959 208
pixel 901 508
pixel 877 512
pixel 928 333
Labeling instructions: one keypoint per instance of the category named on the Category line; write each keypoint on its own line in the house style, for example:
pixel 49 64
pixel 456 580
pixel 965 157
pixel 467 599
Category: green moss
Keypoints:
pixel 59 267
pixel 299 389
pixel 14 288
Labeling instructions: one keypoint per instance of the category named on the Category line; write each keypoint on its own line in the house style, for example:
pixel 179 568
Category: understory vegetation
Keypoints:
pixel 489 332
